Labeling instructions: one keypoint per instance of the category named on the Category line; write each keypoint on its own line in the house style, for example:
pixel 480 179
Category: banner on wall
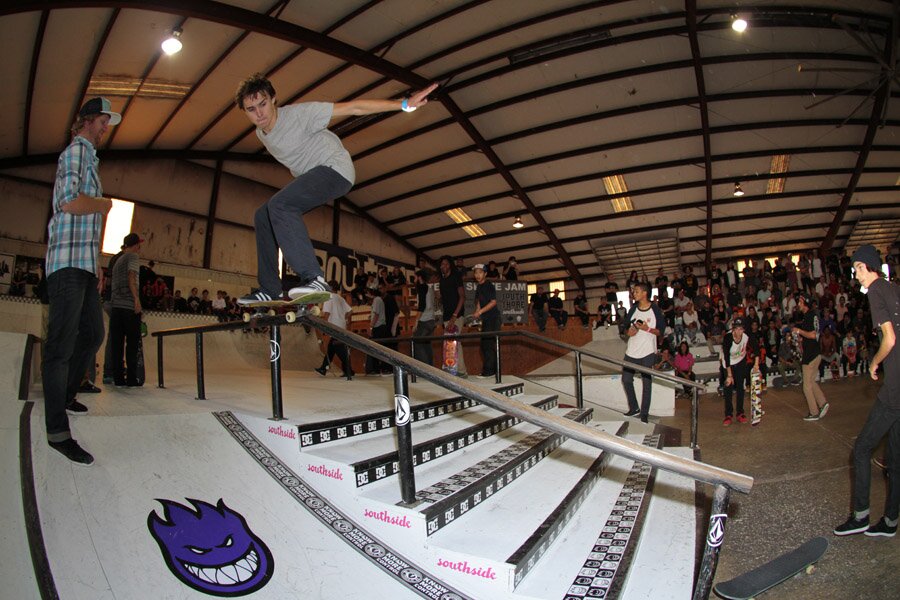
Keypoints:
pixel 512 300
pixel 343 264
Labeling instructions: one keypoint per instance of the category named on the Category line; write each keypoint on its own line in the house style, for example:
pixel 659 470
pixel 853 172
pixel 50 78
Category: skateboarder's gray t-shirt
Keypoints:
pixel 121 293
pixel 301 140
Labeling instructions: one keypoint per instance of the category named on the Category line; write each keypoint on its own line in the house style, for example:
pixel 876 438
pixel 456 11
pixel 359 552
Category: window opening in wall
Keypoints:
pixel 118 225
pixel 558 285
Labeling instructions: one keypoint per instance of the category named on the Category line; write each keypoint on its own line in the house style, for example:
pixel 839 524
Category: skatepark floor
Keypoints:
pixel 802 490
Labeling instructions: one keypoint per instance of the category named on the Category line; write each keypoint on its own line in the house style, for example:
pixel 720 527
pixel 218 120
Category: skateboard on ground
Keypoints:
pixel 756 411
pixel 305 304
pixel 767 576
pixel 783 382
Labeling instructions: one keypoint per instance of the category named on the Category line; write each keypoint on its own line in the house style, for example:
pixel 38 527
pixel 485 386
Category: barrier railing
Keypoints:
pixel 723 480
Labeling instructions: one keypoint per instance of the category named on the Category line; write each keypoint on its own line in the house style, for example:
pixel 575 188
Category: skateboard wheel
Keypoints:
pixel 246 317
pixel 810 569
pixel 290 317
pixel 271 312
pixel 315 311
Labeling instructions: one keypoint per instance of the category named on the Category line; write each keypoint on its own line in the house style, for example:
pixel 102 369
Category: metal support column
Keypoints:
pixel 403 419
pixel 499 377
pixel 579 382
pixel 201 388
pixel 695 415
pixel 715 535
pixel 160 382
pixel 275 364
pixel 412 353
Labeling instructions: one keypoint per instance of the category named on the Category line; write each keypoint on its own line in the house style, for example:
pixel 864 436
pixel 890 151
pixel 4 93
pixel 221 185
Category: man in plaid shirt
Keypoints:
pixel 75 330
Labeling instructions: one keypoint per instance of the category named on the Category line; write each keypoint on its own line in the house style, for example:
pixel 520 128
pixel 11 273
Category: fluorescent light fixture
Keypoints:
pixel 172 44
pixel 460 217
pixel 517 223
pixel 118 225
pixel 738 191
pixel 780 164
pixel 615 186
pixel 573 41
pixel 109 85
pixel 738 24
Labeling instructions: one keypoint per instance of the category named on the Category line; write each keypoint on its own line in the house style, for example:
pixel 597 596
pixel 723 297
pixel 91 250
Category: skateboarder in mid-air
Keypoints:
pixel 297 136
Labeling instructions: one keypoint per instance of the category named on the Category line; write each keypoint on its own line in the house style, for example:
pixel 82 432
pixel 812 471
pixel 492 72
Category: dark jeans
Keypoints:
pixel 488 356
pixel 74 334
pixel 560 316
pixel 423 351
pixel 336 347
pixel 279 224
pixel 739 372
pixel 646 380
pixel 540 317
pixel 125 336
pixel 882 420
pixel 373 365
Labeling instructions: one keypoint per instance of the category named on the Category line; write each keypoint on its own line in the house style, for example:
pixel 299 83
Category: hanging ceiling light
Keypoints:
pixel 737 189
pixel 738 24
pixel 517 223
pixel 172 44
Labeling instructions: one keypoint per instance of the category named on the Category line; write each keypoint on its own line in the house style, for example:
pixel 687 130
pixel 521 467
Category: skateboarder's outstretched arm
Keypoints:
pixel 369 107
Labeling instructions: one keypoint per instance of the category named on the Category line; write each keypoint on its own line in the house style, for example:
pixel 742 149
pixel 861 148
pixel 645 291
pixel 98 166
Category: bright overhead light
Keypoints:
pixel 517 223
pixel 615 186
pixel 172 44
pixel 460 217
pixel 737 189
pixel 738 24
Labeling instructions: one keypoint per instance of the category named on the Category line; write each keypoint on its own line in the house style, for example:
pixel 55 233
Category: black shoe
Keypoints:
pixel 881 528
pixel 321 371
pixel 852 525
pixel 71 450
pixel 134 384
pixel 644 419
pixel 76 408
pixel 89 388
pixel 633 412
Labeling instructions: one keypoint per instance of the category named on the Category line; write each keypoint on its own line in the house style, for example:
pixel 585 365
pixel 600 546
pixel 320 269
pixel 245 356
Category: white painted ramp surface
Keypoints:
pixel 95 519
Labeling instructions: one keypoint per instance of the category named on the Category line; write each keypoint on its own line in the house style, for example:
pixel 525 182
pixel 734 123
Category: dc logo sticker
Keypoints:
pixel 274 351
pixel 716 530
pixel 401 404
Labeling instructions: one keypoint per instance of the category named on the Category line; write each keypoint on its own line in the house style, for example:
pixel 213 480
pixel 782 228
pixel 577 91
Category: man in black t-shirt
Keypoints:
pixel 611 289
pixel 539 308
pixel 452 303
pixel 884 418
pixel 555 304
pixel 486 309
pixel 809 336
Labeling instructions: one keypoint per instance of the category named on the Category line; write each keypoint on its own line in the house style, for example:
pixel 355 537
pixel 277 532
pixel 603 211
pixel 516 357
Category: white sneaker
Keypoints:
pixel 310 287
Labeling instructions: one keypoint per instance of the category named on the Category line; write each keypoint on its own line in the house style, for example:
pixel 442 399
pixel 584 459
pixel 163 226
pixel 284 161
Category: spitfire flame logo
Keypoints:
pixel 211 548
pixel 716 530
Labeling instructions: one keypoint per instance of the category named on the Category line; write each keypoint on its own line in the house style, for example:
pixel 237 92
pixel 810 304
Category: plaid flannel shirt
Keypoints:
pixel 74 240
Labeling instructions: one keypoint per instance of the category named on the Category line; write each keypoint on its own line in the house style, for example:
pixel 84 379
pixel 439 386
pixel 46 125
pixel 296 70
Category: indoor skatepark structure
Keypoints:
pixel 502 509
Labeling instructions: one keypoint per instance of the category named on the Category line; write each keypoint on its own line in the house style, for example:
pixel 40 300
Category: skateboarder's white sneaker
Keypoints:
pixel 253 297
pixel 312 286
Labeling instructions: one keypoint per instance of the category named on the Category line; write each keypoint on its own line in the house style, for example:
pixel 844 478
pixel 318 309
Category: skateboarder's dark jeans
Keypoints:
pixel 279 224
pixel 422 350
pixel 739 373
pixel 882 420
pixel 646 381
pixel 488 356
pixel 124 336
pixel 74 334
pixel 336 348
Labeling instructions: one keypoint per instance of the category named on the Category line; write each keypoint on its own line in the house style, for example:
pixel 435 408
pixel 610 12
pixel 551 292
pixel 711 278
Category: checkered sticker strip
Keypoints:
pixel 596 579
pixel 530 553
pixel 456 495
pixel 321 433
pixel 404 571
pixel 377 468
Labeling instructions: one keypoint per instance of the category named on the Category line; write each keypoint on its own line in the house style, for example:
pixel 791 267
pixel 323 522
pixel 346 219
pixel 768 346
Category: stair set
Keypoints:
pixel 504 508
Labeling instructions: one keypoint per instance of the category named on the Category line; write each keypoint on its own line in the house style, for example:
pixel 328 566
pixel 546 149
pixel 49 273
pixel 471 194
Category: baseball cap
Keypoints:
pixel 479 266
pixel 737 322
pixel 100 106
pixel 868 256
pixel 132 239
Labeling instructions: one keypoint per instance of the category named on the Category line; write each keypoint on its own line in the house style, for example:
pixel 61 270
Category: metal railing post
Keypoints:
pixel 715 535
pixel 579 382
pixel 160 382
pixel 412 354
pixel 403 419
pixel 695 415
pixel 201 388
pixel 275 365
pixel 498 378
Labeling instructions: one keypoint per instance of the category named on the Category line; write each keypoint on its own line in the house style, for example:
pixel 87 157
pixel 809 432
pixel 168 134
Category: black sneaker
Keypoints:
pixel 71 450
pixel 881 528
pixel 76 408
pixel 88 388
pixel 811 418
pixel 633 412
pixel 852 525
pixel 321 371
pixel 310 287
pixel 253 297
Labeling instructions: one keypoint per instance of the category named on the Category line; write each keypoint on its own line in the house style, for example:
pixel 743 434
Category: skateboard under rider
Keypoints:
pixel 305 304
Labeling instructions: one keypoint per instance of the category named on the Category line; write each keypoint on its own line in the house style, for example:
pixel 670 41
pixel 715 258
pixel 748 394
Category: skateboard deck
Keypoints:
pixel 301 303
pixel 451 346
pixel 762 578
pixel 781 382
pixel 756 411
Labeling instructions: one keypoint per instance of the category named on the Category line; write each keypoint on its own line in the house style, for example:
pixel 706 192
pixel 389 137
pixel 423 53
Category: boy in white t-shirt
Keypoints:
pixel 337 312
